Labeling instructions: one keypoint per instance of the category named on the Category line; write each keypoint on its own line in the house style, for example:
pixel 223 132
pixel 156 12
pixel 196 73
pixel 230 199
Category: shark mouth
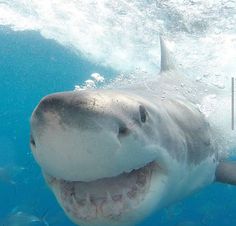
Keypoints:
pixel 108 198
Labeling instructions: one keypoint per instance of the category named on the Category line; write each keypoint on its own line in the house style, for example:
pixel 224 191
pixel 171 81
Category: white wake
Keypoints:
pixel 124 33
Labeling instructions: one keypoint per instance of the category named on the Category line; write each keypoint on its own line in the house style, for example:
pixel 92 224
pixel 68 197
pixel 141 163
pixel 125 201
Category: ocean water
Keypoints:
pixel 48 46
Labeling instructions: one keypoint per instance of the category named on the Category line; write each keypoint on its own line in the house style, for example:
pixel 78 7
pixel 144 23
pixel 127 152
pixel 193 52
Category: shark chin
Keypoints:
pixel 121 200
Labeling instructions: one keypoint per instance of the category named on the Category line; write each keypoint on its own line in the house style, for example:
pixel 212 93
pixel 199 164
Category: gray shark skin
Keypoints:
pixel 112 156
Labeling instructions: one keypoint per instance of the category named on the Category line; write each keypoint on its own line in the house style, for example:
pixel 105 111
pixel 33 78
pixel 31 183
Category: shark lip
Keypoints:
pixel 103 198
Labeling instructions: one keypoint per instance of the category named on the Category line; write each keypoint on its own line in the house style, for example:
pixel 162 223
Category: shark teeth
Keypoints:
pixel 109 198
pixel 126 201
pixel 111 208
pixel 85 210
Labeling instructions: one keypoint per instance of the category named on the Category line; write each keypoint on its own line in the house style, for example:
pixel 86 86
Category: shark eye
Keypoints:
pixel 143 113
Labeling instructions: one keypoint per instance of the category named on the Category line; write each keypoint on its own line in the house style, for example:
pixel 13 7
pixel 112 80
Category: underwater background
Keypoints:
pixel 51 46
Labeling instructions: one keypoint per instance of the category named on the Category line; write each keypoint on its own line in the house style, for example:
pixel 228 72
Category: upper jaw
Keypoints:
pixel 65 149
pixel 77 155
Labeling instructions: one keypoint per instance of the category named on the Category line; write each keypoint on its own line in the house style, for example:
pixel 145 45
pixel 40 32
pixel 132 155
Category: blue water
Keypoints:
pixel 32 67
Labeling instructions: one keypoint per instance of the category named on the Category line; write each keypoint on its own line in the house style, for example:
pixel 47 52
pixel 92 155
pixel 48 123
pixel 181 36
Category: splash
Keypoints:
pixel 125 34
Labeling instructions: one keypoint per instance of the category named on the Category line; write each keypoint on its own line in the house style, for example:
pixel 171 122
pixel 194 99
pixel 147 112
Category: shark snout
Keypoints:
pixel 78 110
pixel 72 131
pixel 70 109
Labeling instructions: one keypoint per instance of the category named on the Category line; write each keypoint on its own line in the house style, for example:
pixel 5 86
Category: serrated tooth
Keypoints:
pixel 139 187
pixel 109 198
pixel 89 210
pixel 74 203
pixel 143 174
pixel 108 205
pixel 124 195
pixel 88 200
pixel 126 200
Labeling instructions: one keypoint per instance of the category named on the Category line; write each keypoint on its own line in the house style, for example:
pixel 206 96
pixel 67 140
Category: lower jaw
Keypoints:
pixel 109 199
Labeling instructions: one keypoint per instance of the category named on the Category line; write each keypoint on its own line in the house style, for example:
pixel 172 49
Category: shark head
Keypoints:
pixel 94 149
pixel 108 129
pixel 112 157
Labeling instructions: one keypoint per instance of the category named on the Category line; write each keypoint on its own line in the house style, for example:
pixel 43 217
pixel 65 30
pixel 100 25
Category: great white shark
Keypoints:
pixel 112 156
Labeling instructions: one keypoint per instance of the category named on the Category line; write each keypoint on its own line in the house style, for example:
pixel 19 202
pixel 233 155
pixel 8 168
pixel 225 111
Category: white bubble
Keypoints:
pixel 97 77
pixel 79 88
pixel 208 105
pixel 90 83
pixel 198 79
pixel 219 84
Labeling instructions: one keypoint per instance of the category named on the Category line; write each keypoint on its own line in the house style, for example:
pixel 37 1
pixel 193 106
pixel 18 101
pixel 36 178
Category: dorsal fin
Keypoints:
pixel 166 60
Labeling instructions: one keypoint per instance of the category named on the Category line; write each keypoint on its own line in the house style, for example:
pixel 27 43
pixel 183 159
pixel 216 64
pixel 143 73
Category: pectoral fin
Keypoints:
pixel 226 173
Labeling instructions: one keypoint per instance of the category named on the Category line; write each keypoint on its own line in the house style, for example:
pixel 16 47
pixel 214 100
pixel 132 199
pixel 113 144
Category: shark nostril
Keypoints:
pixel 123 131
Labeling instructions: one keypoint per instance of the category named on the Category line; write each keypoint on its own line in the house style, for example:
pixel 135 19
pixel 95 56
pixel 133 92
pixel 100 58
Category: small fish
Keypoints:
pixel 9 173
pixel 24 219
